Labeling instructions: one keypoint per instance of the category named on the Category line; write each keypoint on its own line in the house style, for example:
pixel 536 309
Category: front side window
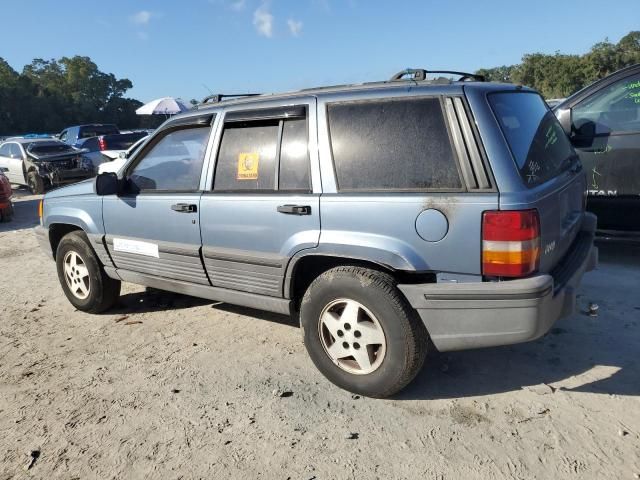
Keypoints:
pixel 615 108
pixel 400 144
pixel 538 143
pixel 264 155
pixel 173 163
pixel 5 150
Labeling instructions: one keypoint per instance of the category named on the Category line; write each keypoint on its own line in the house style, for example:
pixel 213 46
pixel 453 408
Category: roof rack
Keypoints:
pixel 419 74
pixel 218 97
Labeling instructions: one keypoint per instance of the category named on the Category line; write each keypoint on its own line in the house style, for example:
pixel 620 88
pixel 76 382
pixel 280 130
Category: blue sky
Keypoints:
pixel 187 48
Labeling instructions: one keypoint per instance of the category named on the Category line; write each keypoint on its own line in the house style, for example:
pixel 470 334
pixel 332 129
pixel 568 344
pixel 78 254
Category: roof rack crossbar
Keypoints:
pixel 419 74
pixel 218 97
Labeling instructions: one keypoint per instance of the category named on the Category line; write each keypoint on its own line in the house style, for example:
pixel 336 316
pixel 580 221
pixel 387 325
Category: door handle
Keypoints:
pixel 184 207
pixel 295 209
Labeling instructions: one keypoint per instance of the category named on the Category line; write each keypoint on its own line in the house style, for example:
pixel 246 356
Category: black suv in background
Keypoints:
pixel 603 123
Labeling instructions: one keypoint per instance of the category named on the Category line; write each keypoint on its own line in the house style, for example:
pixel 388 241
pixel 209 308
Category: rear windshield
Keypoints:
pixel 120 143
pixel 97 130
pixel 539 146
pixel 46 148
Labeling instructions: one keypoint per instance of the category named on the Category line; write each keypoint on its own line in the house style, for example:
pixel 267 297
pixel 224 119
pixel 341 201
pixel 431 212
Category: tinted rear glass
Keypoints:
pixel 97 130
pixel 539 146
pixel 392 145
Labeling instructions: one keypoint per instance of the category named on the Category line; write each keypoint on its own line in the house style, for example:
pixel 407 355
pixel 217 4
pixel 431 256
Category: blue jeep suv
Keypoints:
pixel 389 216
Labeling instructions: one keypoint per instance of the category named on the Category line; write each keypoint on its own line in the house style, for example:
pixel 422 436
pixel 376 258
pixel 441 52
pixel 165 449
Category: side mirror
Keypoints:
pixel 564 117
pixel 4 169
pixel 122 155
pixel 106 184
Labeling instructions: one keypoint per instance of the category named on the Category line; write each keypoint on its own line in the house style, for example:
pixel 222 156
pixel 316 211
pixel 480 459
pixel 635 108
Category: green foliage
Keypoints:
pixel 559 75
pixel 51 94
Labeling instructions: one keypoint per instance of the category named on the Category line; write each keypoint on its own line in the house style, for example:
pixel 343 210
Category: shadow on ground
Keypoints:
pixel 152 300
pixel 593 354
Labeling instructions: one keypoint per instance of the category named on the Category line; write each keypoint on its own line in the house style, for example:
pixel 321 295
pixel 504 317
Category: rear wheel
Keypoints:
pixel 35 183
pixel 82 277
pixel 360 331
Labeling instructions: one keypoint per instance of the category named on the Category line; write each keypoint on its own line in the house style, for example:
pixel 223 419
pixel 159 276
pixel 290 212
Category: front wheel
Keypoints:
pixel 360 331
pixel 82 277
pixel 35 183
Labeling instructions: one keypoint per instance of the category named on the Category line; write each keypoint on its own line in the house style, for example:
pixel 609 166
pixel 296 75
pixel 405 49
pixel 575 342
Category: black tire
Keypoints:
pixel 405 335
pixel 35 183
pixel 103 291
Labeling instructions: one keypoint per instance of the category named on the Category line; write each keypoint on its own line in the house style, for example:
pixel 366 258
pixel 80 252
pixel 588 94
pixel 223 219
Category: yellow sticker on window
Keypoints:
pixel 248 166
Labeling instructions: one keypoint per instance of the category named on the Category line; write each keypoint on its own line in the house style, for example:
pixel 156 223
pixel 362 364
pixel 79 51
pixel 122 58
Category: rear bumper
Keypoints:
pixel 473 315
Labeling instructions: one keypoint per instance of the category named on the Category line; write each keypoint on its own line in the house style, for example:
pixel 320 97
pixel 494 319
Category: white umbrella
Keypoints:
pixel 163 106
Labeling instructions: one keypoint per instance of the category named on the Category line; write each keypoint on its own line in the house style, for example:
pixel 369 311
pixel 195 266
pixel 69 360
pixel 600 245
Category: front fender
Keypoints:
pixel 83 213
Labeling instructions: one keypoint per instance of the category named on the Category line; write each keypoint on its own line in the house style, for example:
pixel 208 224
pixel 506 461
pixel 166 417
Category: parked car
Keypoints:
pixel 6 207
pixel 603 123
pixel 115 164
pixel 383 214
pixel 100 142
pixel 40 163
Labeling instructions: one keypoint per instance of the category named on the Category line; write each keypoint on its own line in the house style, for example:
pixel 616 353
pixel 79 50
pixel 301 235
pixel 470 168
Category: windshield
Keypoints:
pixel 539 146
pixel 48 148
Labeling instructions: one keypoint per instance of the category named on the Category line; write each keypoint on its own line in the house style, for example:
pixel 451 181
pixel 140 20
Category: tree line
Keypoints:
pixel 49 95
pixel 560 75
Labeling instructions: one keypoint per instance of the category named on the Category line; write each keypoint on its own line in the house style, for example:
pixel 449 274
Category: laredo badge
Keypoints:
pixel 248 166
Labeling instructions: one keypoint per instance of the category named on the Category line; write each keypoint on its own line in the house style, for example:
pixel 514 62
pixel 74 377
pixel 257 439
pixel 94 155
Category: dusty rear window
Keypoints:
pixel 400 144
pixel 539 146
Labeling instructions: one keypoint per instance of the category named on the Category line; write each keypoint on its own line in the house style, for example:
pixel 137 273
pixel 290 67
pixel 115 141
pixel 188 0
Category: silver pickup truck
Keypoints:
pixel 389 216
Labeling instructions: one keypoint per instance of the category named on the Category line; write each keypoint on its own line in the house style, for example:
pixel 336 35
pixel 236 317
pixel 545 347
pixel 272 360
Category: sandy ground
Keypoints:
pixel 168 386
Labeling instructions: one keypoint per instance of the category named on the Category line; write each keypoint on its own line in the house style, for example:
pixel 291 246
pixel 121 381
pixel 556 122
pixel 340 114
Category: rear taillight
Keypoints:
pixel 102 145
pixel 40 209
pixel 510 243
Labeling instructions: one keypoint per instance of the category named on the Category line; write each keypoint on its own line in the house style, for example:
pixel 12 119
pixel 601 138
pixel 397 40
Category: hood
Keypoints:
pixel 52 157
pixel 84 187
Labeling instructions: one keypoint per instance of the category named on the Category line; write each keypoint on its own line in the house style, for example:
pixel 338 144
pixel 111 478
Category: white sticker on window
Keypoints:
pixel 136 246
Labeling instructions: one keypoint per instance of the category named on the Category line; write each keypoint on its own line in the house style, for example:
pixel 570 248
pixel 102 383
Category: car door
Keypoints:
pixel 153 226
pixel 606 134
pixel 262 205
pixel 12 158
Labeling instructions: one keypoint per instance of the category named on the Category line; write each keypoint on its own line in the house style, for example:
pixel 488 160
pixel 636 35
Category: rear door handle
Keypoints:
pixel 295 209
pixel 184 207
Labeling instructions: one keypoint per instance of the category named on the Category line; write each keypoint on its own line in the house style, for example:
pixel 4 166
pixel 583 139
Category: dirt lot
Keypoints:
pixel 169 386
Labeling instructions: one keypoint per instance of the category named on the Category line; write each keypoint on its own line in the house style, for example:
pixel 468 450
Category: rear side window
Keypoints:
pixel 392 145
pixel 264 155
pixel 247 157
pixel 539 146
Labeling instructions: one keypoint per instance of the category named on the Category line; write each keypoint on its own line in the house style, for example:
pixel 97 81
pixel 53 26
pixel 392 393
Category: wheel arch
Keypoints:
pixel 306 267
pixel 57 231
